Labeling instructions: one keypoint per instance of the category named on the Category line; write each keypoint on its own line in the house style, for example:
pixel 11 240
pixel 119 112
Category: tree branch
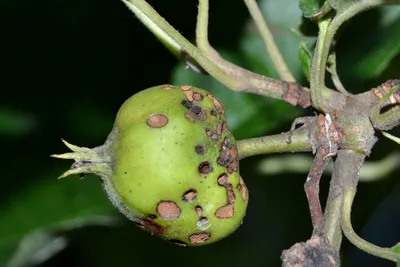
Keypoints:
pixel 232 76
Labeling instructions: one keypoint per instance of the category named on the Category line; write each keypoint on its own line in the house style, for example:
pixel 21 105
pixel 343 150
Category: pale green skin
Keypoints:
pixel 160 164
pixel 141 166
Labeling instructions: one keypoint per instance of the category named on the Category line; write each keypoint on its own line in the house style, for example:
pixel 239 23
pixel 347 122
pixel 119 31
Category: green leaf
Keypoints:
pixel 370 51
pixel 396 249
pixel 37 248
pixel 51 204
pixel 284 30
pixel 314 8
pixel 16 123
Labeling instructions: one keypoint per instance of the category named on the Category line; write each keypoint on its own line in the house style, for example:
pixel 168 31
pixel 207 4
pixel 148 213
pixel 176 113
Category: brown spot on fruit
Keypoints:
pixel 189 117
pixel 224 212
pixel 230 194
pixel 189 95
pixel 233 152
pixel 203 220
pixel 199 238
pixel 217 104
pixel 200 149
pixel 186 87
pixel 205 167
pixel 189 195
pixel 199 211
pixel 168 210
pixel 243 189
pixel 167 87
pixel 178 242
pixel 223 154
pixel 157 120
pixel 232 166
pixel 227 142
pixel 149 225
pixel 197 96
pixel 214 137
pixel 221 162
pixel 197 111
pixel 219 129
pixel 223 179
pixel 209 132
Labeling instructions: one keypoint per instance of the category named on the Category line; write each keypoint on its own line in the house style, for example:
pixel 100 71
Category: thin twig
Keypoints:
pixel 311 187
pixel 273 51
pixel 334 75
pixel 275 143
pixel 350 234
pixel 232 76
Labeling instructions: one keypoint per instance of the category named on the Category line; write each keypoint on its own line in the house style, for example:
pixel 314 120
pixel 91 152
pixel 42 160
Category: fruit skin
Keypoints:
pixel 170 165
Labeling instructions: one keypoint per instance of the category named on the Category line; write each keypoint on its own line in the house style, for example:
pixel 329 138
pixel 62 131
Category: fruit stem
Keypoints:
pixel 96 160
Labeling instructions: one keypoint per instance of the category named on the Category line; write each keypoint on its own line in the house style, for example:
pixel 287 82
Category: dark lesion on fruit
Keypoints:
pixel 205 167
pixel 223 179
pixel 199 210
pixel 199 238
pixel 213 136
pixel 196 110
pixel 147 224
pixel 200 149
pixel 190 195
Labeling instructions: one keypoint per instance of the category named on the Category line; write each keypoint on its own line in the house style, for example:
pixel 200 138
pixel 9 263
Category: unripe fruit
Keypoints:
pixel 170 165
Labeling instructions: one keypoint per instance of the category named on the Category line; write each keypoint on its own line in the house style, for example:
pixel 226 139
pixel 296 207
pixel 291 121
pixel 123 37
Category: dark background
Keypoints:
pixel 67 66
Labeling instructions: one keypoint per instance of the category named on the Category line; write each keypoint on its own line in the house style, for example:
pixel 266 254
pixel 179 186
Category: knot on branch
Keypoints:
pixel 385 114
pixel 384 89
pixel 296 95
pixel 316 252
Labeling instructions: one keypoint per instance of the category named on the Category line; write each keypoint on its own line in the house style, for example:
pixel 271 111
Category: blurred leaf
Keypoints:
pixel 89 120
pixel 53 204
pixel 384 48
pixel 37 248
pixel 16 123
pixel 314 8
pixel 247 115
pixel 284 18
pixel 380 43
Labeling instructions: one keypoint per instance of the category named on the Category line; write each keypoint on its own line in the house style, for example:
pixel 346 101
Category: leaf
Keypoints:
pixel 310 7
pixel 37 248
pixel 51 204
pixel 314 8
pixel 380 44
pixel 16 123
pixel 284 30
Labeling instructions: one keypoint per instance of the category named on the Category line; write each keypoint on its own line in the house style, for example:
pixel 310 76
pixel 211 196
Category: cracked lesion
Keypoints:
pixel 199 238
